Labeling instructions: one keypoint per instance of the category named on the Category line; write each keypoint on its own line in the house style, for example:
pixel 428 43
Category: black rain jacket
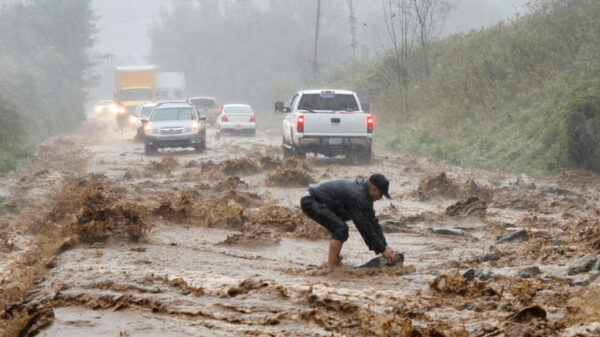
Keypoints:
pixel 350 200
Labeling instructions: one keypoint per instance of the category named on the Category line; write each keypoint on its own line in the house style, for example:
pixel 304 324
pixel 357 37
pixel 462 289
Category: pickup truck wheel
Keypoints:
pixel 287 151
pixel 365 155
pixel 149 149
pixel 299 154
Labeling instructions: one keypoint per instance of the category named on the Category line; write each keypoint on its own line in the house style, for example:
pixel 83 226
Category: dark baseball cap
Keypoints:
pixel 381 182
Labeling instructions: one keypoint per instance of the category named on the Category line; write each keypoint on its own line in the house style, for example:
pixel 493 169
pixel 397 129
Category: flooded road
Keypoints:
pixel 110 242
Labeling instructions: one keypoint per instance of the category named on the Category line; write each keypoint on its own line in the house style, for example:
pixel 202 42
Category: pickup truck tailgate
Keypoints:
pixel 335 124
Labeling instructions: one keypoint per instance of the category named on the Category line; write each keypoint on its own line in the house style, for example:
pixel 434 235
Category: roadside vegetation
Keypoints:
pixel 522 96
pixel 43 65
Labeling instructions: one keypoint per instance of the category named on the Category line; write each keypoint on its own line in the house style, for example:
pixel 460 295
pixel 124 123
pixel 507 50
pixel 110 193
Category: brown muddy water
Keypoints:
pixel 105 241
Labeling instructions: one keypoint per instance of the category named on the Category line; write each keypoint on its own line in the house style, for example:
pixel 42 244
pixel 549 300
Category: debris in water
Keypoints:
pixel 470 207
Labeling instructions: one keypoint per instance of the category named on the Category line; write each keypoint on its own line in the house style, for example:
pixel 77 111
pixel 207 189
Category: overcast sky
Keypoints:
pixel 123 23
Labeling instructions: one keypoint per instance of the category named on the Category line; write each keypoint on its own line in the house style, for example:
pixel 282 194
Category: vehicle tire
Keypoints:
pixel 287 151
pixel 299 154
pixel 200 147
pixel 149 150
pixel 364 156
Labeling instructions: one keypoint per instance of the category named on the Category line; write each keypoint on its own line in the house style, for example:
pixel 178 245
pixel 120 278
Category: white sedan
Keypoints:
pixel 236 118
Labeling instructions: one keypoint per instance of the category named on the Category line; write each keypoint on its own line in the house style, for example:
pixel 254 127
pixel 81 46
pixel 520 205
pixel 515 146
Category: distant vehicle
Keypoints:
pixel 141 114
pixel 236 118
pixel 135 85
pixel 170 86
pixel 174 124
pixel 329 122
pixel 206 106
pixel 106 106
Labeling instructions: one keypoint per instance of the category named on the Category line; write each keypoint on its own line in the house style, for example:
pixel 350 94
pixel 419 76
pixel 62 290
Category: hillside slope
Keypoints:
pixel 520 96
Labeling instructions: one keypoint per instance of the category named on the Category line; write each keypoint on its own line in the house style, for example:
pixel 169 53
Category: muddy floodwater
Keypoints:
pixel 100 240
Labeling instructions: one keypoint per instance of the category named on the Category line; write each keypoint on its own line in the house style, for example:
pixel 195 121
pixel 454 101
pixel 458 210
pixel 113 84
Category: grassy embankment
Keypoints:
pixel 522 96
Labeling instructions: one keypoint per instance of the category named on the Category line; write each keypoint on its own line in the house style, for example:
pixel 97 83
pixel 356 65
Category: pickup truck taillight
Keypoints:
pixel 253 118
pixel 300 124
pixel 224 118
pixel 370 123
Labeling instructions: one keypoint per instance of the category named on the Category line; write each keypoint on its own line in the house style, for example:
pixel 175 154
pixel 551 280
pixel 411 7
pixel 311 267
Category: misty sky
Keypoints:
pixel 123 23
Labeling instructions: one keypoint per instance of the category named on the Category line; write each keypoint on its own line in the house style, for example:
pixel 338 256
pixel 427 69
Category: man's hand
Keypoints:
pixel 390 255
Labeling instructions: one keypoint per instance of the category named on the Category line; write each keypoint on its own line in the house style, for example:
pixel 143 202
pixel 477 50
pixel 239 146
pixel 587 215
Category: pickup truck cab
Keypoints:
pixel 328 122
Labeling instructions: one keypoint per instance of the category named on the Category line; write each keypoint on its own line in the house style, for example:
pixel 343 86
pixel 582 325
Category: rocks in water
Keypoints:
pixel 392 226
pixel 529 272
pixel 449 231
pixel 381 261
pixel 583 265
pixel 520 235
pixel 469 274
pixel 484 257
pixel 484 276
pixel 580 281
pixel 596 266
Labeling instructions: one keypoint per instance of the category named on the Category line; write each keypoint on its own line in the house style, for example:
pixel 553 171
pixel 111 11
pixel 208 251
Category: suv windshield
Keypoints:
pixel 204 103
pixel 146 111
pixel 172 114
pixel 136 95
pixel 237 110
pixel 326 101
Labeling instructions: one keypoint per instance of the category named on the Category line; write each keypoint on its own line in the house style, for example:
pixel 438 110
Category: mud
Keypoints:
pixel 101 240
pixel 441 185
pixel 289 177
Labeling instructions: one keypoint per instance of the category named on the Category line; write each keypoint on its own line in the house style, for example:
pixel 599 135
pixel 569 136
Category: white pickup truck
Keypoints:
pixel 329 122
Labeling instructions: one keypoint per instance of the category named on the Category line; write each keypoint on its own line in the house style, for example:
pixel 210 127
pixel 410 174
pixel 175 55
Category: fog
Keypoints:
pixel 124 34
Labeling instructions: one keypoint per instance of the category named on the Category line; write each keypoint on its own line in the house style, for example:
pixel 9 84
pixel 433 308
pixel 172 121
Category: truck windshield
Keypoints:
pixel 172 114
pixel 328 101
pixel 204 103
pixel 140 94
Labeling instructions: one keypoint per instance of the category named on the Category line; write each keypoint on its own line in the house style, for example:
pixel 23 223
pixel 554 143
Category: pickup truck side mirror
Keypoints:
pixel 202 118
pixel 279 108
pixel 366 107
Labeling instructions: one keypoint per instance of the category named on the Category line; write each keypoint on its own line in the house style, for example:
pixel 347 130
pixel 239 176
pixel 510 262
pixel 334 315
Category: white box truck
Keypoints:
pixel 170 86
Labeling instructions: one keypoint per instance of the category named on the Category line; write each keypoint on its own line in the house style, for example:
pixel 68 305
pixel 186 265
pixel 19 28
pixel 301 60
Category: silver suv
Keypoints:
pixel 174 125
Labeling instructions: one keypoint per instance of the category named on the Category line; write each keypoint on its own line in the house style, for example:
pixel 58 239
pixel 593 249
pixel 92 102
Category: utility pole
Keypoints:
pixel 315 64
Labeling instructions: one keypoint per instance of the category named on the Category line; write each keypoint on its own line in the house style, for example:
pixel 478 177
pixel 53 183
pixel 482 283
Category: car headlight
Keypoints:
pixel 148 128
pixel 113 108
pixel 133 119
pixel 98 109
pixel 121 109
pixel 195 126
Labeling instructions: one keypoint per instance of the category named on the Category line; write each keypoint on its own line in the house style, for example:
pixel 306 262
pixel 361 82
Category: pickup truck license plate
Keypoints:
pixel 335 141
